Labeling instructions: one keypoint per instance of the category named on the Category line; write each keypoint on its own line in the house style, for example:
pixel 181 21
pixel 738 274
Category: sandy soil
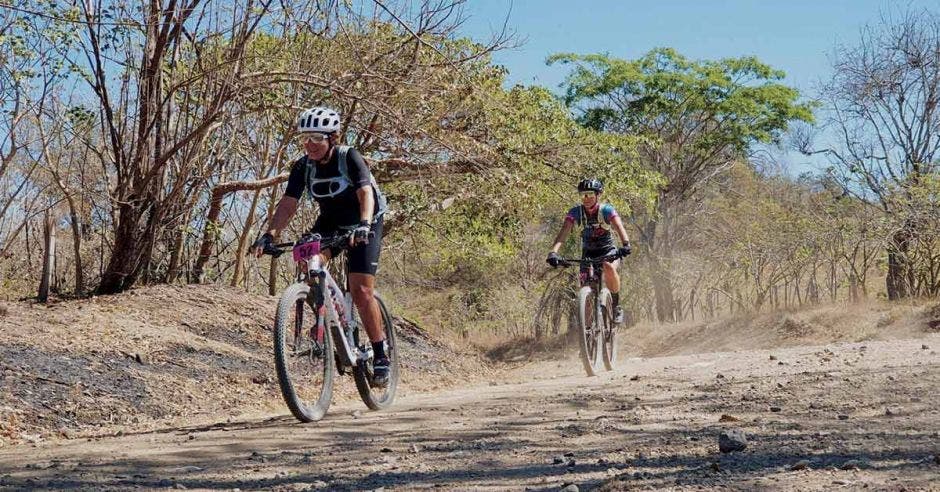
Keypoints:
pixel 842 415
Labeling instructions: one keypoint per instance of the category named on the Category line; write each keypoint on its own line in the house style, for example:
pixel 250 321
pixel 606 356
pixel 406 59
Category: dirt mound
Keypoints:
pixel 155 355
pixel 873 320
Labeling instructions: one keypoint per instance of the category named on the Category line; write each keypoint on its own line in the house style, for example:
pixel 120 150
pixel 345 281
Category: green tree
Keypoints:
pixel 697 118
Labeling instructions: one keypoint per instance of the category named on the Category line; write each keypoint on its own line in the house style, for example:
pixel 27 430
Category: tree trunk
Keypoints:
pixel 48 257
pixel 896 281
pixel 176 253
pixel 210 230
pixel 853 288
pixel 178 237
pixel 240 251
pixel 77 247
pixel 662 290
pixel 129 246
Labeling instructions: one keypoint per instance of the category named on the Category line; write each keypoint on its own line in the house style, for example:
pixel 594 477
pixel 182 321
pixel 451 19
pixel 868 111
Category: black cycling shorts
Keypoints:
pixel 362 258
pixel 594 253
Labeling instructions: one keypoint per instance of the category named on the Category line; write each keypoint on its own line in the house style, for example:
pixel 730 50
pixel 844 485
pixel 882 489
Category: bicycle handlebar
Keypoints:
pixel 566 262
pixel 338 240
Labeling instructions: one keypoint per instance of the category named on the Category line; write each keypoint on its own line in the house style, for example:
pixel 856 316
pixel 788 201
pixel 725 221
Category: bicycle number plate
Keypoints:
pixel 306 250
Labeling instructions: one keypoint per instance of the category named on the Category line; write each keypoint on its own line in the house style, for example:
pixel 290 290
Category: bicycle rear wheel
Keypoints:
pixel 302 356
pixel 378 398
pixel 588 339
pixel 608 331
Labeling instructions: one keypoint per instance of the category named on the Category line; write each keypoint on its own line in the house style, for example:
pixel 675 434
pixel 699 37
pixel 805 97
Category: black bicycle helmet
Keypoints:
pixel 590 184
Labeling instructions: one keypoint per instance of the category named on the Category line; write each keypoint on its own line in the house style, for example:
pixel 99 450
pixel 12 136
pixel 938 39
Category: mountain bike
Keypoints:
pixel 597 339
pixel 316 335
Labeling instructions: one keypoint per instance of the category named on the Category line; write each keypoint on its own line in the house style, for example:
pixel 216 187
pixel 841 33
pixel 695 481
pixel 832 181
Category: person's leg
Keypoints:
pixel 363 262
pixel 612 281
pixel 362 288
pixel 612 277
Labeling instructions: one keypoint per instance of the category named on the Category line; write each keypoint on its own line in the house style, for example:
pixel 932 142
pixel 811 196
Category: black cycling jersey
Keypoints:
pixel 337 211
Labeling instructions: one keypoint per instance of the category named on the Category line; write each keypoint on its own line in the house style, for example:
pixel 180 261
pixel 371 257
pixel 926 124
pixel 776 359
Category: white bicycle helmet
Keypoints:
pixel 318 119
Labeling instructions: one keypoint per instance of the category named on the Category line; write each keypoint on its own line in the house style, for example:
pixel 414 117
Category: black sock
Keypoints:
pixel 378 350
pixel 616 298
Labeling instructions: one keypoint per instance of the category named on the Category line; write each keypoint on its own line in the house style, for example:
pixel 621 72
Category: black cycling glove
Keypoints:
pixel 624 250
pixel 361 233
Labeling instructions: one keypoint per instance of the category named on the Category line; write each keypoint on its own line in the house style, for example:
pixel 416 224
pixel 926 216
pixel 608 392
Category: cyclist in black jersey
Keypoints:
pixel 596 220
pixel 337 179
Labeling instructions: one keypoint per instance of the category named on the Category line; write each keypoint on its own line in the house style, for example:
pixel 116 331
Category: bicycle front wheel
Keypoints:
pixel 374 397
pixel 588 338
pixel 303 356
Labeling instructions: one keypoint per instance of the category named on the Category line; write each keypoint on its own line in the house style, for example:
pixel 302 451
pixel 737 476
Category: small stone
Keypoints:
pixel 728 418
pixel 572 463
pixel 843 416
pixel 415 448
pixel 800 465
pixel 557 460
pixel 890 412
pixel 773 357
pixel 775 409
pixel 635 377
pixel 936 459
pixel 570 488
pixel 715 466
pixel 356 414
pixel 852 465
pixel 732 440
pixel 924 347
pixel 719 376
pixel 386 450
pixel 840 482
pixel 192 437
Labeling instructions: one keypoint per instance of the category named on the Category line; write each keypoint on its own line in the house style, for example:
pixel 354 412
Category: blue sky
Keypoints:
pixel 796 36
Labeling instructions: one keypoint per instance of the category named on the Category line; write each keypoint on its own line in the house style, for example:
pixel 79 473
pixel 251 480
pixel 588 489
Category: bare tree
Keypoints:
pixel 883 104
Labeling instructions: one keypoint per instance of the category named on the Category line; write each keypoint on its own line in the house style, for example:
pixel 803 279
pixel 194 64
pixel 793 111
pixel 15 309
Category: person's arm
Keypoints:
pixel 562 235
pixel 621 231
pixel 366 203
pixel 362 179
pixel 286 208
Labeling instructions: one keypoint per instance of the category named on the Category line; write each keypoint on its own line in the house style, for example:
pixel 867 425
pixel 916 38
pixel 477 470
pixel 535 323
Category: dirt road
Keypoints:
pixel 848 415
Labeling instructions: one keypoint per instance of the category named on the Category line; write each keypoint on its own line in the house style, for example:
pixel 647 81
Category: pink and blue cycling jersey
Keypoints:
pixel 596 238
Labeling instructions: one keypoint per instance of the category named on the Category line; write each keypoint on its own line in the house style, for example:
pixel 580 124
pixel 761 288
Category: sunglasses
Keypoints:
pixel 313 137
pixel 587 194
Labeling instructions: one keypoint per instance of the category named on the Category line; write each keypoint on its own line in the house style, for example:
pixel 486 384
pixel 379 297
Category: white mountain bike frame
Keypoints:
pixel 337 313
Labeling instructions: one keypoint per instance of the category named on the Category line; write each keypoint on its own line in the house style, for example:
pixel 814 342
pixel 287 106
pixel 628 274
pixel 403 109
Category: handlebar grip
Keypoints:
pixel 272 250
